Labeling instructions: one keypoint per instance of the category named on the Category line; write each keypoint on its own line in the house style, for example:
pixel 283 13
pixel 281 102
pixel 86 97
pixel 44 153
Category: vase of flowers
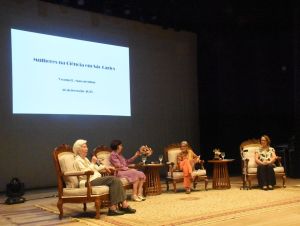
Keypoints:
pixel 217 153
pixel 145 151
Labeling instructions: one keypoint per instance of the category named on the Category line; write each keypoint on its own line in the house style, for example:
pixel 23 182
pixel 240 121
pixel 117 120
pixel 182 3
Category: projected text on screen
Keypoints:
pixel 57 75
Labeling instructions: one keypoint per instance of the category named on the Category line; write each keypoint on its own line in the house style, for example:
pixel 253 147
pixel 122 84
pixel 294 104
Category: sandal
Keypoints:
pixel 135 198
pixel 142 197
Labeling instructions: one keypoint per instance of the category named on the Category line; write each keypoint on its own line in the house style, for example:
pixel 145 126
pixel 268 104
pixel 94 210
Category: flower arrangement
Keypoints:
pixel 145 150
pixel 217 153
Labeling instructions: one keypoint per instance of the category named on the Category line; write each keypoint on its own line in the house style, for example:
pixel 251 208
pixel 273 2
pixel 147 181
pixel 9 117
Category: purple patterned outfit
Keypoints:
pixel 124 171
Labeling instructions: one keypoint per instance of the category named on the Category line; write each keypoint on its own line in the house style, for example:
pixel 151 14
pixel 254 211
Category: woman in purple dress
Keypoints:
pixel 137 178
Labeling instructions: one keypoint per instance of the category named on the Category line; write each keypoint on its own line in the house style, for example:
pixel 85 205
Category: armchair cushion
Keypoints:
pixel 96 190
pixel 279 169
pixel 200 172
pixel 66 162
pixel 250 154
pixel 179 174
pixel 252 170
pixel 124 181
pixel 172 156
pixel 104 157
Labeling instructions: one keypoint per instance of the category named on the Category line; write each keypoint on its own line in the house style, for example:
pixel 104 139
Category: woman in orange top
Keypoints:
pixel 187 159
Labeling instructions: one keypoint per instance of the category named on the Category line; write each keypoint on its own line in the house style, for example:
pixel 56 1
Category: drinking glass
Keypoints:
pixel 144 159
pixel 223 155
pixel 160 158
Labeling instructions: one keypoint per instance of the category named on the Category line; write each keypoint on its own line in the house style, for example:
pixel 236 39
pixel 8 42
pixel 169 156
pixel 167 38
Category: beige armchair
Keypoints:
pixel 174 174
pixel 69 190
pixel 249 166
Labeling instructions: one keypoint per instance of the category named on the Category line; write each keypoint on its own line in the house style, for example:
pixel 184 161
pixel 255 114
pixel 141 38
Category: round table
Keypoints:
pixel 221 178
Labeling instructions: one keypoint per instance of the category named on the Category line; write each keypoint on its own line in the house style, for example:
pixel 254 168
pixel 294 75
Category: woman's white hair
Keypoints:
pixel 184 143
pixel 77 145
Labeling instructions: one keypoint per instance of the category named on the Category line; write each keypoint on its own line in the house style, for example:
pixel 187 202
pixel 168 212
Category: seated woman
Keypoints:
pixel 186 160
pixel 132 175
pixel 265 158
pixel 117 193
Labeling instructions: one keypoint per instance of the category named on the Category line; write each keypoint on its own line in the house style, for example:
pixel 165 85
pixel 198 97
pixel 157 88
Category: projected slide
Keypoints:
pixel 56 75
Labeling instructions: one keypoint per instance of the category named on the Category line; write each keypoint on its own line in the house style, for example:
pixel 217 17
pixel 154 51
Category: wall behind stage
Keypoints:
pixel 164 93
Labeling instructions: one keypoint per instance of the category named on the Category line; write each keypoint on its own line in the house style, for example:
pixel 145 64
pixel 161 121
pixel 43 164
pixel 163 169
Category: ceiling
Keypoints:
pixel 194 15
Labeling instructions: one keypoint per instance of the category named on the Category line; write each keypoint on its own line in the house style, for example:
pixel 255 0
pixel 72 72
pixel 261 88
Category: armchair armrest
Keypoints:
pixel 82 173
pixel 113 172
pixel 278 161
pixel 170 166
pixel 78 173
pixel 246 162
pixel 116 170
pixel 201 163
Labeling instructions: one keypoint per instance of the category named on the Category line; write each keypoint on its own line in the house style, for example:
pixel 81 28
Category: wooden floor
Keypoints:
pixel 26 214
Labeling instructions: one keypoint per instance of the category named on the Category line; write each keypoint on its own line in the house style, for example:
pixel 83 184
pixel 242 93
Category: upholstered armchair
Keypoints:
pixel 69 189
pixel 175 175
pixel 102 153
pixel 249 166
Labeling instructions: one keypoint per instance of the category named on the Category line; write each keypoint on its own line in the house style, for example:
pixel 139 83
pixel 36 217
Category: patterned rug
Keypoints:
pixel 30 215
pixel 198 208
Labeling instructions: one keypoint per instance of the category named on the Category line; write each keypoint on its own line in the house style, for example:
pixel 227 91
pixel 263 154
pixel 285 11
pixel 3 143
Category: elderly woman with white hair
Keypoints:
pixel 186 160
pixel 116 191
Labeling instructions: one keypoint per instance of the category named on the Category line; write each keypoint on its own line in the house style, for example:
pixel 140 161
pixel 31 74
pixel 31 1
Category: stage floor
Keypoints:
pixel 27 213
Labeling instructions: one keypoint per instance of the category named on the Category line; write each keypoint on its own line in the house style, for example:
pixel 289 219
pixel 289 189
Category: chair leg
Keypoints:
pixel 97 206
pixel 249 183
pixel 195 181
pixel 167 183
pixel 206 183
pixel 283 180
pixel 84 207
pixel 60 208
pixel 244 183
pixel 174 185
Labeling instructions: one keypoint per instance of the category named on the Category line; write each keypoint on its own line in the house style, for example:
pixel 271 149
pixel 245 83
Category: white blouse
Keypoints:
pixel 85 165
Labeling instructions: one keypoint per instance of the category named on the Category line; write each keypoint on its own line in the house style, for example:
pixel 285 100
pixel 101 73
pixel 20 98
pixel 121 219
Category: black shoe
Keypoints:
pixel 128 209
pixel 114 212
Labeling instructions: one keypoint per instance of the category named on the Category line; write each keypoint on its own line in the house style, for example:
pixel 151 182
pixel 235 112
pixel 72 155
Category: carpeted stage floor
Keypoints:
pixel 198 208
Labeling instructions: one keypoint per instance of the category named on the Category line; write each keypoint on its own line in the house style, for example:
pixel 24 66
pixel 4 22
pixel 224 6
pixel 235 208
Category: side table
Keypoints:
pixel 221 178
pixel 153 185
